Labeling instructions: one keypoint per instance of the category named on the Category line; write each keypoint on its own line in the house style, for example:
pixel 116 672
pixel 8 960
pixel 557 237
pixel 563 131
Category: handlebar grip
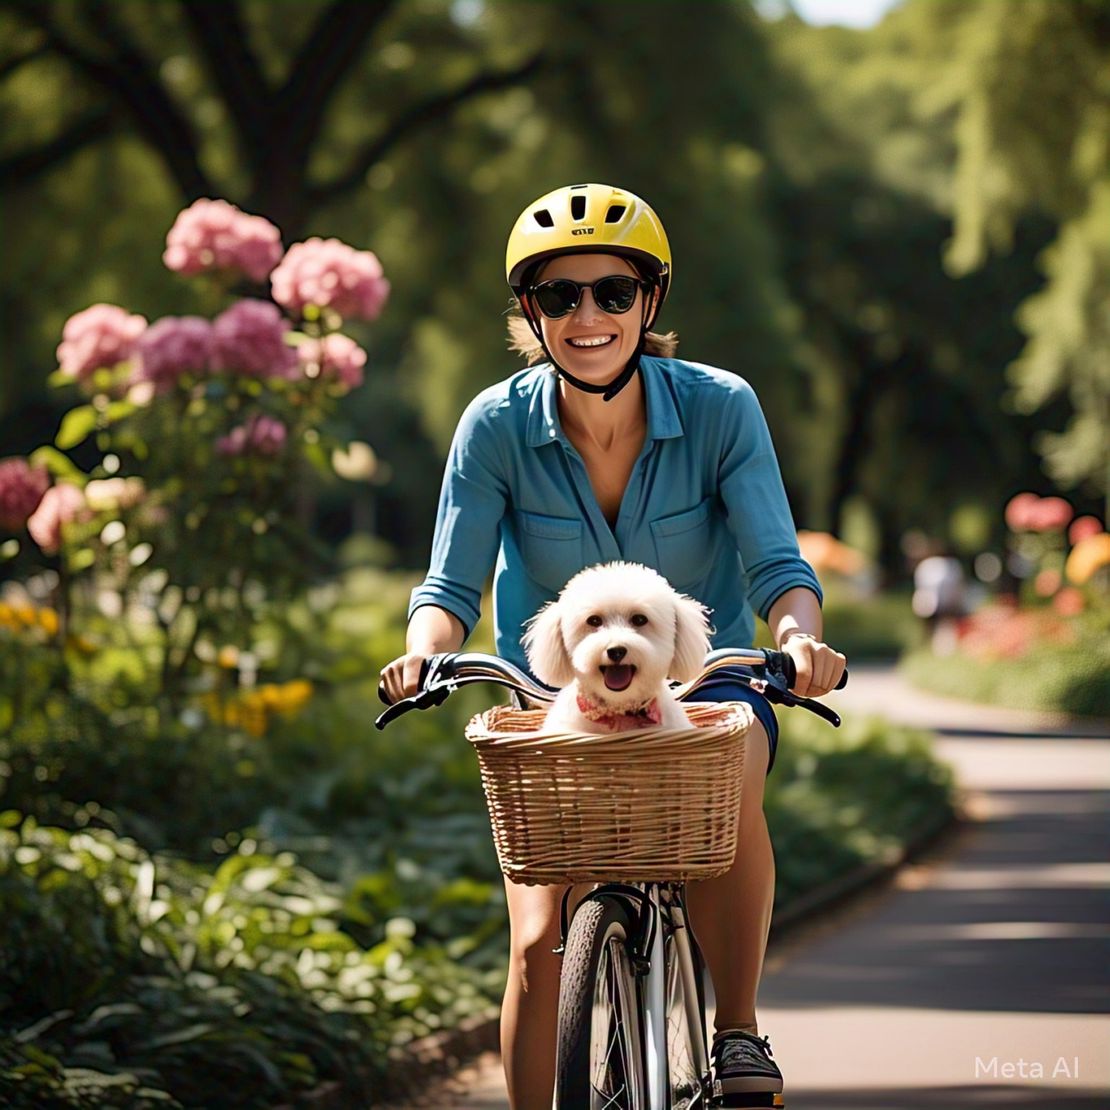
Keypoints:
pixel 425 663
pixel 790 670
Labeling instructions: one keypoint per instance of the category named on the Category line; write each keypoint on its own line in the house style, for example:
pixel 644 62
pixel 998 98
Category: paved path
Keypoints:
pixel 979 977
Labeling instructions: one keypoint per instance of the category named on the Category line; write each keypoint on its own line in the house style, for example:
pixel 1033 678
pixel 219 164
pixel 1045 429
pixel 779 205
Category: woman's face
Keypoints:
pixel 619 333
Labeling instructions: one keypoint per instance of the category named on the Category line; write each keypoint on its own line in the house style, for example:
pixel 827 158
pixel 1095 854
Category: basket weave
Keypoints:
pixel 641 805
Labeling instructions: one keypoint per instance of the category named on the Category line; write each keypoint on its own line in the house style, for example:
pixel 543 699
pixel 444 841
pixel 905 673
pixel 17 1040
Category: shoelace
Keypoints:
pixel 737 1042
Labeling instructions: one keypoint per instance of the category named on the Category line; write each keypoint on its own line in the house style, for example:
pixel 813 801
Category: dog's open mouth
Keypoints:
pixel 618 676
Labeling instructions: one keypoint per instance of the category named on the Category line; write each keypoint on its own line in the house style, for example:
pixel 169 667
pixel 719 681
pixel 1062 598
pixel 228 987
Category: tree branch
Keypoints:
pixel 321 65
pixel 22 168
pixel 223 40
pixel 430 110
pixel 128 77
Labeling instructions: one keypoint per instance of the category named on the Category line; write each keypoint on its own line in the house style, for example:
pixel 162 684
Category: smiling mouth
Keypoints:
pixel 618 676
pixel 592 343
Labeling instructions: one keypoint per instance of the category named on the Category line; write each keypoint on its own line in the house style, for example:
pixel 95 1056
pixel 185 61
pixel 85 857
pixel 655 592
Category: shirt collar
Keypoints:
pixel 663 419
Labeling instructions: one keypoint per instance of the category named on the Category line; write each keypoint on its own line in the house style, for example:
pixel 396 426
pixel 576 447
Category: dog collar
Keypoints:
pixel 649 714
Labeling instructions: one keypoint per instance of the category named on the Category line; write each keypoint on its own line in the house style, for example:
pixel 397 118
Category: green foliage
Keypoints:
pixel 1069 679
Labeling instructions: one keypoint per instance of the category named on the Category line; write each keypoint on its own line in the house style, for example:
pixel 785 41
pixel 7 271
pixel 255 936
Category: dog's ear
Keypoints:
pixel 547 653
pixel 691 638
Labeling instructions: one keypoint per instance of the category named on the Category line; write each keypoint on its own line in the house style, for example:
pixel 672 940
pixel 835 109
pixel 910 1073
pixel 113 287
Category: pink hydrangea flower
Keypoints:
pixel 102 335
pixel 335 356
pixel 330 274
pixel 250 338
pixel 1051 514
pixel 21 489
pixel 261 435
pixel 215 235
pixel 60 504
pixel 172 346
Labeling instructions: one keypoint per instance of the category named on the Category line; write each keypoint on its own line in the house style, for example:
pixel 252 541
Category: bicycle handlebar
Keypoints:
pixel 771 673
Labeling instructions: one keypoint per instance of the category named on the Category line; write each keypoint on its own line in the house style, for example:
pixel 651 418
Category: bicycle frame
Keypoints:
pixel 660 906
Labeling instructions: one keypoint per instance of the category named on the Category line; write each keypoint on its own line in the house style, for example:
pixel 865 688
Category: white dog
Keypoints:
pixel 611 639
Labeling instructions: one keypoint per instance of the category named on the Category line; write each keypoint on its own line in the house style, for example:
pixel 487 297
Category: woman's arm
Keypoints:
pixel 796 624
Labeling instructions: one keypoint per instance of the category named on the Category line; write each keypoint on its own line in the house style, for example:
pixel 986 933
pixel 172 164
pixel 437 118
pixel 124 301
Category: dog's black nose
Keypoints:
pixel 616 653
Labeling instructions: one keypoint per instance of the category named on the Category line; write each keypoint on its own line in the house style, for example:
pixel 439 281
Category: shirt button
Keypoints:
pixel 552 432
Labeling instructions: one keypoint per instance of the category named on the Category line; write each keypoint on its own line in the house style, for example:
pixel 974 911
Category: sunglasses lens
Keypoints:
pixel 557 298
pixel 615 294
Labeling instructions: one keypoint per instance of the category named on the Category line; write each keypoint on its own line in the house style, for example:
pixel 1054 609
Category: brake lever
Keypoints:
pixel 437 695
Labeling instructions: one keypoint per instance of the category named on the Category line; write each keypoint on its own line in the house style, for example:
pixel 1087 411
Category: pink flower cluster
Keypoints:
pixel 261 434
pixel 21 489
pixel 328 273
pixel 102 335
pixel 250 338
pixel 1003 632
pixel 1026 512
pixel 215 235
pixel 171 347
pixel 1083 527
pixel 337 357
pixel 60 504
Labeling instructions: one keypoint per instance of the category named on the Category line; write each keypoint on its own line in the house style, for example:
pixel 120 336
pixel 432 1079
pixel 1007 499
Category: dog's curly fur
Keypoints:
pixel 622 614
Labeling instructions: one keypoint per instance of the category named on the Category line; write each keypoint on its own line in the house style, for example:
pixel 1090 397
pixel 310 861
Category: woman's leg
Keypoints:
pixel 731 914
pixel 529 1011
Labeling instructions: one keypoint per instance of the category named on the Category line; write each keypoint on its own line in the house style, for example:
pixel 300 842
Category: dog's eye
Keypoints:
pixel 639 620
pixel 594 622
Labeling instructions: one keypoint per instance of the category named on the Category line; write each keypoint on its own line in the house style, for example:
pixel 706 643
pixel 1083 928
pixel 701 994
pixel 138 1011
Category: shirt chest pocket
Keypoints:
pixel 682 544
pixel 551 546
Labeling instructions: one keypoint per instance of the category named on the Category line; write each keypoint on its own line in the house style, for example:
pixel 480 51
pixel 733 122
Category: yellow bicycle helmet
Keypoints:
pixel 582 218
pixel 593 217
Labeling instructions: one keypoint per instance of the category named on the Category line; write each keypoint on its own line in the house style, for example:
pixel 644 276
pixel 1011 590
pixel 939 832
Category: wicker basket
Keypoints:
pixel 634 806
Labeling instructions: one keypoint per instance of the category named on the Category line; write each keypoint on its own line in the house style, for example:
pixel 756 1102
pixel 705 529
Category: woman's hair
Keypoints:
pixel 523 340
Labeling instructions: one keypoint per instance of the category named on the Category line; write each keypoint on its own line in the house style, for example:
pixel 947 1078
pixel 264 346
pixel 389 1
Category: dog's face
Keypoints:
pixel 620 630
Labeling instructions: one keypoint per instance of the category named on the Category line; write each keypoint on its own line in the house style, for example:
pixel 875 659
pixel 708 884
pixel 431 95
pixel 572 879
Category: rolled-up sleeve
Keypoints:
pixel 758 512
pixel 472 502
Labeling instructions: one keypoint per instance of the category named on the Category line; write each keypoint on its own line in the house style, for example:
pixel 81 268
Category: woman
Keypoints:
pixel 613 449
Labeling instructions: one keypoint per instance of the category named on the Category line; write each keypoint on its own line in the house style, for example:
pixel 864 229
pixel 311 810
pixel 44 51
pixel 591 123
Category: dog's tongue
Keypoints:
pixel 618 677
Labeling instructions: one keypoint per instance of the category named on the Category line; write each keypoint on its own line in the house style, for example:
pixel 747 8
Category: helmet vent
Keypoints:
pixel 543 217
pixel 578 207
pixel 615 212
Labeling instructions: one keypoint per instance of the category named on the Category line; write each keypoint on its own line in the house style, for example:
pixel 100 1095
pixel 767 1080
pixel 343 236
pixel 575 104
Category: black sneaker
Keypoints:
pixel 742 1062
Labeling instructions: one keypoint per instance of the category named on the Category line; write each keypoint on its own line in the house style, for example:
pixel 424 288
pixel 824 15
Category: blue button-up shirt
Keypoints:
pixel 705 504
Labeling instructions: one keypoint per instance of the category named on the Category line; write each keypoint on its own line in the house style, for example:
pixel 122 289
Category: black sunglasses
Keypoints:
pixel 560 296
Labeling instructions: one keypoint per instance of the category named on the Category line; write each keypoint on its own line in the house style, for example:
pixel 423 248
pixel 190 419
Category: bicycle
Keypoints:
pixel 631 1025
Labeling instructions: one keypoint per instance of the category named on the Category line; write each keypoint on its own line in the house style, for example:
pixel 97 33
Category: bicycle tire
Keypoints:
pixel 600 1060
pixel 685 1087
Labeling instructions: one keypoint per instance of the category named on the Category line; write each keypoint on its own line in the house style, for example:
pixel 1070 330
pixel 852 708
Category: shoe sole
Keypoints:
pixel 738 1100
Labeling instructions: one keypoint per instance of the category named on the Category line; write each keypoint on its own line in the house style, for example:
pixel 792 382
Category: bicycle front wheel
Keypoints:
pixel 600 1063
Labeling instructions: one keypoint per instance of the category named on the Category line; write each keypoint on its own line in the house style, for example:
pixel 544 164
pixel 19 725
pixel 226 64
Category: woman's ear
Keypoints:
pixel 691 638
pixel 547 653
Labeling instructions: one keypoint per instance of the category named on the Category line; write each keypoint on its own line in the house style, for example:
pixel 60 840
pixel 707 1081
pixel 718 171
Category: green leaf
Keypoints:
pixel 76 426
pixel 61 466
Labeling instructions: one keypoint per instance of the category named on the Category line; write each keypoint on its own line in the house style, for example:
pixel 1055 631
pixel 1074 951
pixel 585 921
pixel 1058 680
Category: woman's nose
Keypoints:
pixel 587 307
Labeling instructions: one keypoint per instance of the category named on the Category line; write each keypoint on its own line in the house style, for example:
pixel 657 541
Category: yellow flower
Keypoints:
pixel 48 620
pixel 1087 557
pixel 293 696
pixel 25 615
pixel 228 656
pixel 7 617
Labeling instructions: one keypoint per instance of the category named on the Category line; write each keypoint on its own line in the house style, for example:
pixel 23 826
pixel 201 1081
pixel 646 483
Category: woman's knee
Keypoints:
pixel 534 933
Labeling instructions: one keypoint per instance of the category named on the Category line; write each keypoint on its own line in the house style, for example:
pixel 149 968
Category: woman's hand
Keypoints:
pixel 819 667
pixel 401 678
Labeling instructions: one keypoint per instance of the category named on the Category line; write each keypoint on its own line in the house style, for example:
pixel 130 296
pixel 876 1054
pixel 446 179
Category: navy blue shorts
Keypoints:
pixel 764 711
